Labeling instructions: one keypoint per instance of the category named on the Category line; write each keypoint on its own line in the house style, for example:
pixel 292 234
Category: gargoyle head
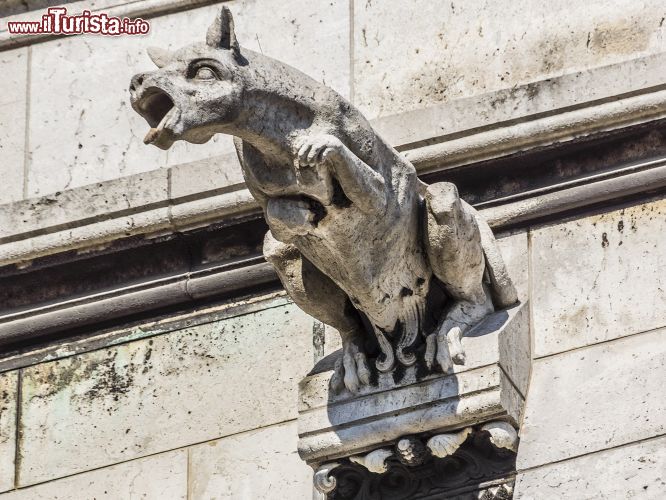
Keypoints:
pixel 195 91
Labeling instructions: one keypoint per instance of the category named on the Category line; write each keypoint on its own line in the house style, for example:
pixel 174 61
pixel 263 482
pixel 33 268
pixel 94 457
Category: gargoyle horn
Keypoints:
pixel 221 33
pixel 159 56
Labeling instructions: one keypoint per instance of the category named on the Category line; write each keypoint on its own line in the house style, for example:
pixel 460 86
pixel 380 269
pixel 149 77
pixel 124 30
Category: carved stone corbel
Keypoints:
pixel 393 430
pixel 463 464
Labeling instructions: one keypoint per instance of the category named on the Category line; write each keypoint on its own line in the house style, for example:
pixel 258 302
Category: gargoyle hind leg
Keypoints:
pixel 455 253
pixel 320 297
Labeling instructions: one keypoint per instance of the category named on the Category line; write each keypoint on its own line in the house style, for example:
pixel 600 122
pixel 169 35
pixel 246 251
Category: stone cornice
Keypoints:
pixel 537 131
pixel 481 129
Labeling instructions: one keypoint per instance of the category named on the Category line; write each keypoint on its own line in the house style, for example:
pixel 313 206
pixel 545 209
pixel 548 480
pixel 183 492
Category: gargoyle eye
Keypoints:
pixel 205 73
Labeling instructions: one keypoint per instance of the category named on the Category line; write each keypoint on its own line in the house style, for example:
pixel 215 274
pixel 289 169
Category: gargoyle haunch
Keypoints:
pixel 400 268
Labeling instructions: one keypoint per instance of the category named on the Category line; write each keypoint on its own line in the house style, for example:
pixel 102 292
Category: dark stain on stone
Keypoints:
pixel 620 226
pixel 108 380
pixel 604 240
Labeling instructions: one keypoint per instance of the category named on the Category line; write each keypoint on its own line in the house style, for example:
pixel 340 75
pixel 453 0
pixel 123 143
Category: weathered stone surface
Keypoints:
pixel 91 135
pixel 14 70
pixel 343 207
pixel 253 465
pixel 162 477
pixel 86 135
pixel 12 156
pixel 14 67
pixel 599 277
pixel 632 471
pixel 449 50
pixel 143 197
pixel 156 394
pixel 462 115
pixel 8 402
pixel 595 398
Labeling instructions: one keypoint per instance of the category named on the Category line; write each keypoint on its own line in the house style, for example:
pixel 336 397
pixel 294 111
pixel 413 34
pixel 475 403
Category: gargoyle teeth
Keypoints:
pixel 151 136
pixel 154 132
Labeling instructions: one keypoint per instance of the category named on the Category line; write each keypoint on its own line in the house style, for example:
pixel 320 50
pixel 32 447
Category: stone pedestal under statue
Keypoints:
pixel 409 436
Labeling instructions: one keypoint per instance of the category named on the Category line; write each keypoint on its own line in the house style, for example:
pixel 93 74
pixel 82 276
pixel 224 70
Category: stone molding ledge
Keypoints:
pixel 161 201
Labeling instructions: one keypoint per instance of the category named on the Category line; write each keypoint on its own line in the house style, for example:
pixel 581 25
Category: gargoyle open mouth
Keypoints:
pixel 158 109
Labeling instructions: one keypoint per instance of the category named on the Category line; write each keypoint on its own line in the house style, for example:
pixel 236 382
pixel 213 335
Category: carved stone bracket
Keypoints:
pixel 462 465
pixel 451 435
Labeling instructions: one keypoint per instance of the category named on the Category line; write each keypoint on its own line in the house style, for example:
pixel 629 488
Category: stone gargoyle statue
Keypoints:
pixel 400 268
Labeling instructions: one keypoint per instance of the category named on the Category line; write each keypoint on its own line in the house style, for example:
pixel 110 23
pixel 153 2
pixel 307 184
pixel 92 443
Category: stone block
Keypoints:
pixel 160 477
pixel 253 465
pixel 91 134
pixel 14 71
pixel 497 362
pixel 632 471
pixel 449 50
pixel 595 398
pixel 88 134
pixel 8 402
pixel 598 278
pixel 161 393
pixel 516 257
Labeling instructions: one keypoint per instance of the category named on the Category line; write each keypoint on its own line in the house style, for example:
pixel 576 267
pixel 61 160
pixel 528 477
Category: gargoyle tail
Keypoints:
pixel 503 291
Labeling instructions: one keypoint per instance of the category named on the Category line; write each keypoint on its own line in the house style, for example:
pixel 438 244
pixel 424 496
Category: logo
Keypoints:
pixel 56 21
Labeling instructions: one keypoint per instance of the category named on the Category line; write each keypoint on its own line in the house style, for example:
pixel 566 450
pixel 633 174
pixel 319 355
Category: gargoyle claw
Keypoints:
pixel 351 370
pixel 316 149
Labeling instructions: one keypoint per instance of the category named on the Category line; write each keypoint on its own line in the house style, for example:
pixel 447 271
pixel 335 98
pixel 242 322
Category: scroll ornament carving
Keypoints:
pixel 456 463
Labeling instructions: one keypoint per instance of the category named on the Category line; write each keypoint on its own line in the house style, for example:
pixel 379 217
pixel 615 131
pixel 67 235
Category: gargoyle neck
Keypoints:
pixel 270 121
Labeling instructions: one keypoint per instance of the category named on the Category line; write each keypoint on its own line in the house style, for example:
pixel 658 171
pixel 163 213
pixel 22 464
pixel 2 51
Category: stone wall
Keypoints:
pixel 441 51
pixel 200 402
pixel 196 407
pixel 595 423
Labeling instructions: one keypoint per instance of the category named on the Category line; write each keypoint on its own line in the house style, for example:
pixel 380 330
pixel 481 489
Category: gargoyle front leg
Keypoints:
pixel 363 186
pixel 320 297
pixel 455 253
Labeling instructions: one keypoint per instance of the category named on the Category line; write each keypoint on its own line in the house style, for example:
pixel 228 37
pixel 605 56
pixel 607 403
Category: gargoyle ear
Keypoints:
pixel 221 33
pixel 159 56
